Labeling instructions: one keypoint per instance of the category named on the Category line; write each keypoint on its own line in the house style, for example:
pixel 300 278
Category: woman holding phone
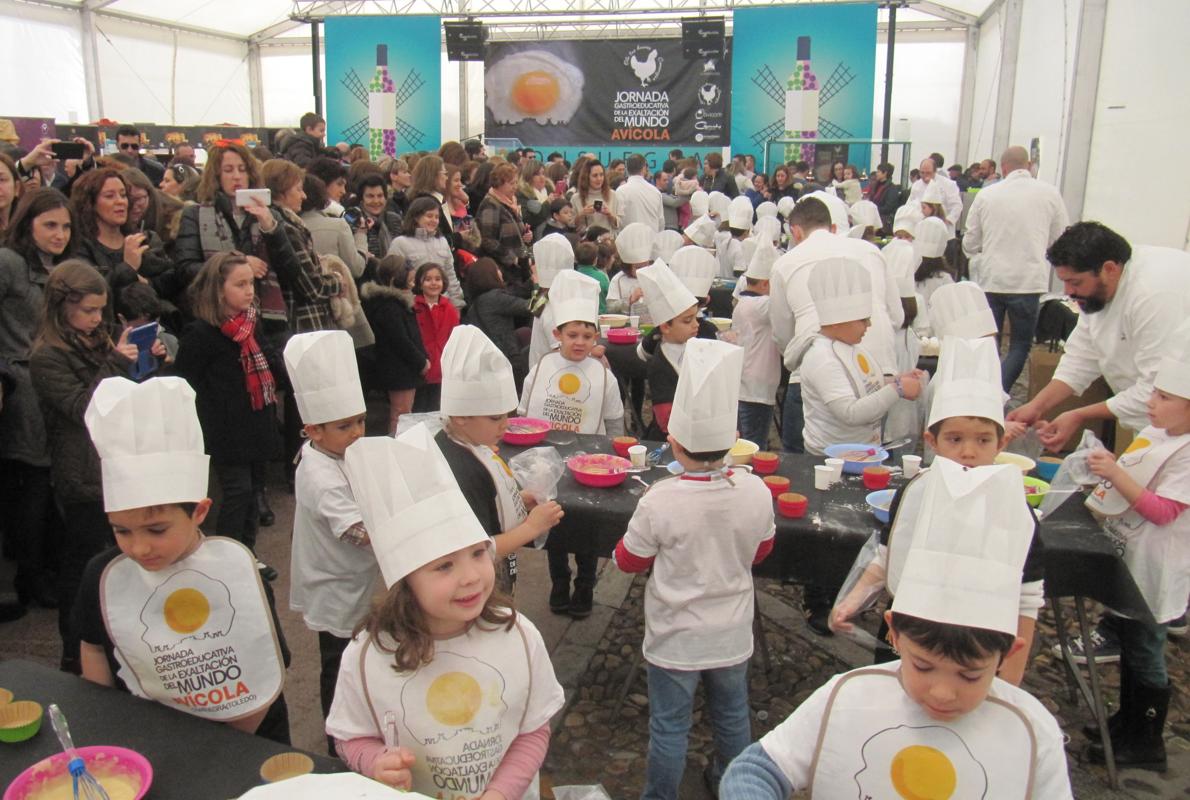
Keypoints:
pixel 594 201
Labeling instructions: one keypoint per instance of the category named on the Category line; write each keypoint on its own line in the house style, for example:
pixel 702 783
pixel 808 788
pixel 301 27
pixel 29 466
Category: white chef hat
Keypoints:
pixel 961 309
pixel 856 231
pixel 635 243
pixel 720 206
pixel 767 228
pixel 1173 373
pixel 766 209
pixel 865 213
pixel 967 383
pixel 837 208
pixel 748 247
pixel 665 295
pixel 785 206
pixel 149 442
pixel 706 401
pixel 702 231
pixel 930 237
pixel 666 244
pixel 739 213
pixel 970 539
pixel 760 267
pixel 325 376
pixel 574 297
pixel 409 500
pixel 552 254
pixel 700 204
pixel 933 192
pixel 841 290
pixel 906 219
pixel 476 376
pixel 695 267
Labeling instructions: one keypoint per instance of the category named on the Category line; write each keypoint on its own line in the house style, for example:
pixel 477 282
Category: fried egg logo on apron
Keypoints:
pixel 919 763
pixel 187 606
pixel 441 704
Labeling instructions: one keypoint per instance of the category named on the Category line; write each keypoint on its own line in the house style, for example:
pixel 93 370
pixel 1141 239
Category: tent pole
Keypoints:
pixel 315 57
pixel 962 147
pixel 888 80
pixel 255 85
pixel 91 64
pixel 1080 116
pixel 1010 44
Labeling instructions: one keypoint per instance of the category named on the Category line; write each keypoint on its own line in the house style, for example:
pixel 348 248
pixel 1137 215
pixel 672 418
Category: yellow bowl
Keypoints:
pixel 286 765
pixel 20 721
pixel 742 452
pixel 613 320
pixel 722 323
pixel 1023 463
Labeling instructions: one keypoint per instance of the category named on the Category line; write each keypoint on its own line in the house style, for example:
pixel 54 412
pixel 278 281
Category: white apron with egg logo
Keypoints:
pixel 198 635
pixel 568 393
pixel 876 742
pixel 1142 461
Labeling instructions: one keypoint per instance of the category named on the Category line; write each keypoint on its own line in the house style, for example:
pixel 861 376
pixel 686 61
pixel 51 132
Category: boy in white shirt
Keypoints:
pixel 700 533
pixel 937 723
pixel 843 388
pixel 334 571
pixel 762 360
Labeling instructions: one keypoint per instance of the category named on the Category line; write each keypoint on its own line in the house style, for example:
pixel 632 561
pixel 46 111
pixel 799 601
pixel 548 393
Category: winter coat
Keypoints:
pixel 496 313
pixel 421 248
pixel 22 292
pixel 301 148
pixel 399 355
pixel 155 267
pixel 333 236
pixel 435 323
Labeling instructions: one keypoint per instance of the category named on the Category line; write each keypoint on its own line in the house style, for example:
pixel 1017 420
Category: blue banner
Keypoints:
pixel 804 71
pixel 383 83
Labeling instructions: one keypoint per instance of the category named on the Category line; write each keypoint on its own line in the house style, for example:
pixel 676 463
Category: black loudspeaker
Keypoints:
pixel 703 37
pixel 465 40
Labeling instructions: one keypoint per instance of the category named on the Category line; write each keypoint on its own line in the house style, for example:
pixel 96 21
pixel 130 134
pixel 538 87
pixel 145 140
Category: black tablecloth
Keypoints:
pixel 191 757
pixel 820 547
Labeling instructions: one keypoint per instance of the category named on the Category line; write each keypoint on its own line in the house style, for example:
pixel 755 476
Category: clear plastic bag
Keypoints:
pixel 538 471
pixel 1028 445
pixel 860 591
pixel 595 792
pixel 1072 476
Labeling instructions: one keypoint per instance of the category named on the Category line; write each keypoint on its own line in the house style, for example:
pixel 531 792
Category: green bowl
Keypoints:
pixel 1041 486
pixel 20 721
pixel 645 330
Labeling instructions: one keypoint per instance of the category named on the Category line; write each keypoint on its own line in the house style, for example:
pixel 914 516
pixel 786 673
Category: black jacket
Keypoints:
pixel 399 355
pixel 301 148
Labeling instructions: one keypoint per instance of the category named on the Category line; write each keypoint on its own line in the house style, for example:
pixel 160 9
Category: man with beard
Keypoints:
pixel 1131 302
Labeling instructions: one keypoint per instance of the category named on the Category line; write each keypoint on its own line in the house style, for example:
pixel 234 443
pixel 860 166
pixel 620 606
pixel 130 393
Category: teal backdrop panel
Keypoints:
pixel 383 83
pixel 805 70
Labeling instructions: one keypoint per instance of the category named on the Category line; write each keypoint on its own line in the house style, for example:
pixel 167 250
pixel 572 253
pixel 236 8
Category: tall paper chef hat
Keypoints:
pixel 961 309
pixel 761 265
pixel 739 213
pixel 720 206
pixel 635 243
pixel 552 255
pixel 768 228
pixel 906 219
pixel 666 244
pixel 700 204
pixel 325 376
pixel 665 295
pixel 748 248
pixel 706 402
pixel 857 231
pixel 696 268
pixel 410 501
pixel 866 213
pixel 968 381
pixel 766 209
pixel 476 376
pixel 969 541
pixel 837 208
pixel 149 442
pixel 702 231
pixel 785 206
pixel 574 297
pixel 930 237
pixel 1173 373
pixel 841 290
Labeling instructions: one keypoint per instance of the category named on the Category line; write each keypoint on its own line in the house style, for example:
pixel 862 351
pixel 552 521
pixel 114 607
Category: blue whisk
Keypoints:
pixel 85 785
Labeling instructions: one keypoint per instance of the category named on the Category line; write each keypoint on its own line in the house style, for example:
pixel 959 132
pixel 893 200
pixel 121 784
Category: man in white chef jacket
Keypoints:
pixel 1131 302
pixel 952 202
pixel 1008 229
pixel 639 200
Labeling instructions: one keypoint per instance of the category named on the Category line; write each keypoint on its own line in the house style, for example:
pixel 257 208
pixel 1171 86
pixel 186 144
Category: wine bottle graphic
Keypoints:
pixel 801 105
pixel 382 109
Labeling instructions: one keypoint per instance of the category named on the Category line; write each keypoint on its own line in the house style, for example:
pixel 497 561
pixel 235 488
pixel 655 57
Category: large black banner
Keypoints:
pixel 600 92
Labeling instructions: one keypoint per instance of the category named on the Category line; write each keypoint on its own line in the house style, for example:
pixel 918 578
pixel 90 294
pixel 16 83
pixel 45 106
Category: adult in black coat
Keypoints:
pixel 399 360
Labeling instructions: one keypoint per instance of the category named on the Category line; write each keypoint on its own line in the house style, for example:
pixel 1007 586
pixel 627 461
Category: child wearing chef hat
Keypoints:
pixel 634 245
pixel 478 392
pixel 729 243
pixel 444 672
pixel 701 233
pixel 966 429
pixel 332 567
pixel 1142 501
pixel 165 588
pixel 932 201
pixel 552 255
pixel 762 360
pixel 843 388
pixel 929 243
pixel 701 533
pixel 938 723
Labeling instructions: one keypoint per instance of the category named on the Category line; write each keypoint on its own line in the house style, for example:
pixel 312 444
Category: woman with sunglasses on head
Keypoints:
pixel 180 181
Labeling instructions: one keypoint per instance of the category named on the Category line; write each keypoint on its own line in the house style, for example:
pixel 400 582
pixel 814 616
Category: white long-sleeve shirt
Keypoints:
pixel 640 201
pixel 1126 341
pixel 952 201
pixel 1009 227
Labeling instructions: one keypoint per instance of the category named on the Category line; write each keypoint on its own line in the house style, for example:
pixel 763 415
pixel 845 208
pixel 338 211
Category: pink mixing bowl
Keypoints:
pixel 100 759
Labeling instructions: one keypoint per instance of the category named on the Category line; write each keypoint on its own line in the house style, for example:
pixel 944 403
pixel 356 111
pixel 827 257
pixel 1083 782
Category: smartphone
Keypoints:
pixel 352 216
pixel 244 196
pixel 598 205
pixel 560 188
pixel 143 337
pixel 65 150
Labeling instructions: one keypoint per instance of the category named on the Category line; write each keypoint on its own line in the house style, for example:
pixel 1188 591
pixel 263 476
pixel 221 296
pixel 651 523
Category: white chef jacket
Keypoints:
pixel 730 253
pixel 640 201
pixel 952 201
pixel 762 359
pixel 791 309
pixel 1125 341
pixel 542 341
pixel 1009 227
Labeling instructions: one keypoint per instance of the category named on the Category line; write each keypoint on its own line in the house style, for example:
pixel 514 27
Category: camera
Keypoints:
pixel 353 215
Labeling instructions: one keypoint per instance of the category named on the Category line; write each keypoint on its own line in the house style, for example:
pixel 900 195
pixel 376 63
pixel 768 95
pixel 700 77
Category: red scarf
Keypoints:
pixel 259 380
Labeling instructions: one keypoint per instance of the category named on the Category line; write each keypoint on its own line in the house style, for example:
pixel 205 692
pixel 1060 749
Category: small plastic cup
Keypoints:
pixel 603 329
pixel 765 463
pixel 910 465
pixel 823 477
pixel 633 320
pixel 792 504
pixel 637 454
pixel 778 484
pixel 877 477
pixel 621 444
pixel 836 465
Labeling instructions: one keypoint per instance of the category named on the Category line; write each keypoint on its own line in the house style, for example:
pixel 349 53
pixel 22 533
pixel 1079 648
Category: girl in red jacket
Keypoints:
pixel 436 317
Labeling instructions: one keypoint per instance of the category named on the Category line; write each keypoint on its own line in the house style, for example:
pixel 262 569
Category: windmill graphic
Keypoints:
pixel 802 89
pixel 382 102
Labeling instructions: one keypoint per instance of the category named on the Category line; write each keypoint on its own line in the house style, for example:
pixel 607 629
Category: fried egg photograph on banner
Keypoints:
pixel 533 84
